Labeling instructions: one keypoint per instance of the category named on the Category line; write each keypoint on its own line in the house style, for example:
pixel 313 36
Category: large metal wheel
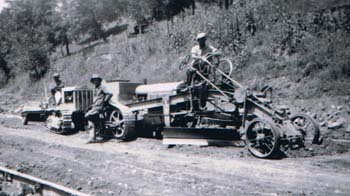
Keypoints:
pixel 262 138
pixel 308 127
pixel 225 66
pixel 124 129
pixel 185 62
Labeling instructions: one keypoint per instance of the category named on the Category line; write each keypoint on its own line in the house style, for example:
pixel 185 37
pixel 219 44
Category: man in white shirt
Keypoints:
pixel 202 49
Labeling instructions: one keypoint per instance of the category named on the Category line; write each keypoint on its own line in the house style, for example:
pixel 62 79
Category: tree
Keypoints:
pixel 5 46
pixel 27 25
pixel 88 16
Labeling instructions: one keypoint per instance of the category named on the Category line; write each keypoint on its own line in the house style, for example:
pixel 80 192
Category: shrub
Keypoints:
pixel 38 63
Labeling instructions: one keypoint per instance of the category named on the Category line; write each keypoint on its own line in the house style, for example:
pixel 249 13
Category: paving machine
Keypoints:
pixel 210 107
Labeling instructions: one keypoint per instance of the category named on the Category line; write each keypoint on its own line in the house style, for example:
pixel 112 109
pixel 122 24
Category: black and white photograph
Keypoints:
pixel 174 98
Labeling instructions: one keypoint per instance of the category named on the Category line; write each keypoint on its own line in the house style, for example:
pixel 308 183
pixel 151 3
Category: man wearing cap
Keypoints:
pixel 202 49
pixel 101 98
pixel 56 88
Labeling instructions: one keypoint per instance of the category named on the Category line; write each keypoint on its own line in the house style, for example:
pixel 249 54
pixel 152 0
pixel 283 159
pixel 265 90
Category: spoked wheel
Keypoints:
pixel 117 119
pixel 124 129
pixel 262 138
pixel 203 68
pixel 226 66
pixel 185 62
pixel 308 127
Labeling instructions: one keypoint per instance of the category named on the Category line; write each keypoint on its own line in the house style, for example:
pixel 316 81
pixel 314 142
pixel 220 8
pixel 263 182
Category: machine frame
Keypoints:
pixel 176 116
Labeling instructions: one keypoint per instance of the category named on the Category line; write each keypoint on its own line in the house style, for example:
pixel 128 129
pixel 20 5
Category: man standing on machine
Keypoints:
pixel 200 50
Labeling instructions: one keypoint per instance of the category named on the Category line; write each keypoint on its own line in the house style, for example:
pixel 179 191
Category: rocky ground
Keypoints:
pixel 146 167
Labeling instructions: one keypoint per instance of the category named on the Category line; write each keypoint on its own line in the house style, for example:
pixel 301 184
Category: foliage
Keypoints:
pixel 268 39
pixel 25 27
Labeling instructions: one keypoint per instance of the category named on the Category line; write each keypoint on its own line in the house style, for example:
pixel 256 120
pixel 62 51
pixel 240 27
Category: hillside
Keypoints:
pixel 301 49
pixel 206 139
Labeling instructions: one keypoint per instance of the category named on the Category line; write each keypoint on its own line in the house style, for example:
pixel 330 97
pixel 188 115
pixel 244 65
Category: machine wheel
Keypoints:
pixel 125 129
pixel 185 62
pixel 308 127
pixel 226 66
pixel 262 138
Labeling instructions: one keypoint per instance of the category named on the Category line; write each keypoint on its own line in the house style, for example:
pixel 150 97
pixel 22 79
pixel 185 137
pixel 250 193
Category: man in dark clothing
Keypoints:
pixel 101 98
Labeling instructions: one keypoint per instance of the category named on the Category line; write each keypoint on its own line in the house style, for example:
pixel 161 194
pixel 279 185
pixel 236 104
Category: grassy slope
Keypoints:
pixel 155 56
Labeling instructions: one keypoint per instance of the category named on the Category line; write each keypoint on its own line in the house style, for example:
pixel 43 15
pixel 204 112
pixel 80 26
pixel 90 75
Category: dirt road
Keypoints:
pixel 146 167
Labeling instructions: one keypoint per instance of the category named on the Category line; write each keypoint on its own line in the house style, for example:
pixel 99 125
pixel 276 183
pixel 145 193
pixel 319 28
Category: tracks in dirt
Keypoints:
pixel 151 169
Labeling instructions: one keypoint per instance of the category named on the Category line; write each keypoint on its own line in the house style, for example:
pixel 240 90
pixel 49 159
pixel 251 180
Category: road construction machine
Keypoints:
pixel 211 107
pixel 67 112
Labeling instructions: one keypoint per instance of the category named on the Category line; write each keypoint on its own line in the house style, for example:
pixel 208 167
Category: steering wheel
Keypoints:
pixel 185 62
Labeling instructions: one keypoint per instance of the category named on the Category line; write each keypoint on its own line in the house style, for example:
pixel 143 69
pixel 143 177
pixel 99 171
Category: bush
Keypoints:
pixel 38 63
pixel 331 54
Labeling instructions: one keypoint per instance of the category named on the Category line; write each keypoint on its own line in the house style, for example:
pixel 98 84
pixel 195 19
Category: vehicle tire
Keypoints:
pixel 308 127
pixel 262 138
pixel 125 129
